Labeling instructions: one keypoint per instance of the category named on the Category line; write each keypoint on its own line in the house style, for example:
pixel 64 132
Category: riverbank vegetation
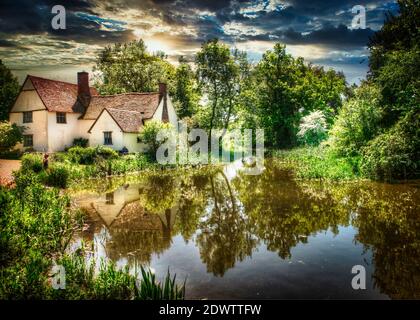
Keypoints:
pixel 79 163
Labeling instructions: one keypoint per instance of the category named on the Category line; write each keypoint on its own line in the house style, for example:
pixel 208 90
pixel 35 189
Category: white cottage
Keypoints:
pixel 54 113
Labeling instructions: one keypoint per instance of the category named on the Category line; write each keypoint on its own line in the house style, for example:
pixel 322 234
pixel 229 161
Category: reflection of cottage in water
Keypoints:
pixel 135 233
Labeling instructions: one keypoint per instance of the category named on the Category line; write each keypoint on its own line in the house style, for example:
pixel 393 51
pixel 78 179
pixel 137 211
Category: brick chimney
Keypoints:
pixel 83 90
pixel 163 94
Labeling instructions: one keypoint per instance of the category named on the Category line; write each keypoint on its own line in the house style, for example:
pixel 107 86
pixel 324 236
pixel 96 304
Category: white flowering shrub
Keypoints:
pixel 312 128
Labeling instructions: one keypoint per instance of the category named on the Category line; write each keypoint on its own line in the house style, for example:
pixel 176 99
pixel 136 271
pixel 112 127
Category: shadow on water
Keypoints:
pixel 264 236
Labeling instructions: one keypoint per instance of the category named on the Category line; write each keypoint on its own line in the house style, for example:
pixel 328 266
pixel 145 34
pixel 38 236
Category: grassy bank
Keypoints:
pixel 67 168
pixel 318 163
pixel 37 225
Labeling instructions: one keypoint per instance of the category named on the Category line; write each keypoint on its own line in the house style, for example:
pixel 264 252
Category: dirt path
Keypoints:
pixel 6 169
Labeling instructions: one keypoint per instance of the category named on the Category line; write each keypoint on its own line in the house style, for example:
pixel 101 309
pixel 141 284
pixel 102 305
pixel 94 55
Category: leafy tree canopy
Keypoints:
pixel 129 67
pixel 9 89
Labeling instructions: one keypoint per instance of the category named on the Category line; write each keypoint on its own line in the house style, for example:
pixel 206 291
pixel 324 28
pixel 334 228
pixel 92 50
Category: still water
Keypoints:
pixel 236 236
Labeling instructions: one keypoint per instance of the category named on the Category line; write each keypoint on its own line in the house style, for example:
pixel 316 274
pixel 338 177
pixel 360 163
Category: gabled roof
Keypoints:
pixel 58 96
pixel 144 103
pixel 128 121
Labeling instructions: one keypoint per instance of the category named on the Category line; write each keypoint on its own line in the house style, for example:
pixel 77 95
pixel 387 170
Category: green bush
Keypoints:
pixel 12 155
pixel 149 134
pixel 32 162
pixel 357 122
pixel 106 152
pixel 57 175
pixel 396 153
pixel 89 155
pixel 82 155
pixel 10 135
pixel 80 142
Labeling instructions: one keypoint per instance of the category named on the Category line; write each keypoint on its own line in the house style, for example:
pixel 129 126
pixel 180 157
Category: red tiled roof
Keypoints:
pixel 58 96
pixel 145 103
pixel 128 121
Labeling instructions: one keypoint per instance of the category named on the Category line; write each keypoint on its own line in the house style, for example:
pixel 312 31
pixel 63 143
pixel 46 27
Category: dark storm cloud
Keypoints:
pixel 30 18
pixel 340 37
pixel 6 44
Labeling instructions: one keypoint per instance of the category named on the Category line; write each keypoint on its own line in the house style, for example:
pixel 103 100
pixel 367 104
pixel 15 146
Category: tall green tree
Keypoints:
pixel 395 61
pixel 217 73
pixel 129 67
pixel 288 89
pixel 186 94
pixel 9 89
pixel 278 73
pixel 399 32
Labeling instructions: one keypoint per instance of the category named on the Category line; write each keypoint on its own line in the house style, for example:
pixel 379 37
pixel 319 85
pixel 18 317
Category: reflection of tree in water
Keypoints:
pixel 281 214
pixel 191 204
pixel 160 192
pixel 144 227
pixel 388 223
pixel 137 235
pixel 225 236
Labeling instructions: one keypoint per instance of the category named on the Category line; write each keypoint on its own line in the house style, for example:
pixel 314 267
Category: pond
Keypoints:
pixel 269 236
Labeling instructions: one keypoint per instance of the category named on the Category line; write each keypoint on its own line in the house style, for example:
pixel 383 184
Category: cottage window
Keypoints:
pixel 61 117
pixel 28 140
pixel 109 198
pixel 107 137
pixel 27 117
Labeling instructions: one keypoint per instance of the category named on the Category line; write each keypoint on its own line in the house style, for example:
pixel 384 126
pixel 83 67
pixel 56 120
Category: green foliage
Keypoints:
pixel 319 163
pixel 106 152
pixel 357 123
pixel 186 94
pixel 10 135
pixel 130 163
pixel 89 155
pixel 9 89
pixel 129 67
pixel 32 162
pixel 288 89
pixel 80 142
pixel 312 128
pixel 57 175
pixel 81 155
pixel 395 154
pixel 149 133
pixel 400 84
pixel 399 32
pixel 218 74
pixel 151 290
pixel 394 61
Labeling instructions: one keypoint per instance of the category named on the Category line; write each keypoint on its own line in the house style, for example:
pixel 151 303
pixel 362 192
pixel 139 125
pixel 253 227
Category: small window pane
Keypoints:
pixel 107 138
pixel 61 117
pixel 27 117
pixel 28 140
pixel 109 198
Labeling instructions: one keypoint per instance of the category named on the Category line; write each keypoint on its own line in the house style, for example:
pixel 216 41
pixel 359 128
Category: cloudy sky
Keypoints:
pixel 319 30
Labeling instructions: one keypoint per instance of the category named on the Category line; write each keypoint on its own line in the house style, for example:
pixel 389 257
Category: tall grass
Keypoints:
pixel 318 163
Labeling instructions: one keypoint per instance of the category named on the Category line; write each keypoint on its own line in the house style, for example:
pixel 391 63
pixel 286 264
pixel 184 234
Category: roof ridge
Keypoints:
pixel 124 94
pixel 122 109
pixel 73 84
